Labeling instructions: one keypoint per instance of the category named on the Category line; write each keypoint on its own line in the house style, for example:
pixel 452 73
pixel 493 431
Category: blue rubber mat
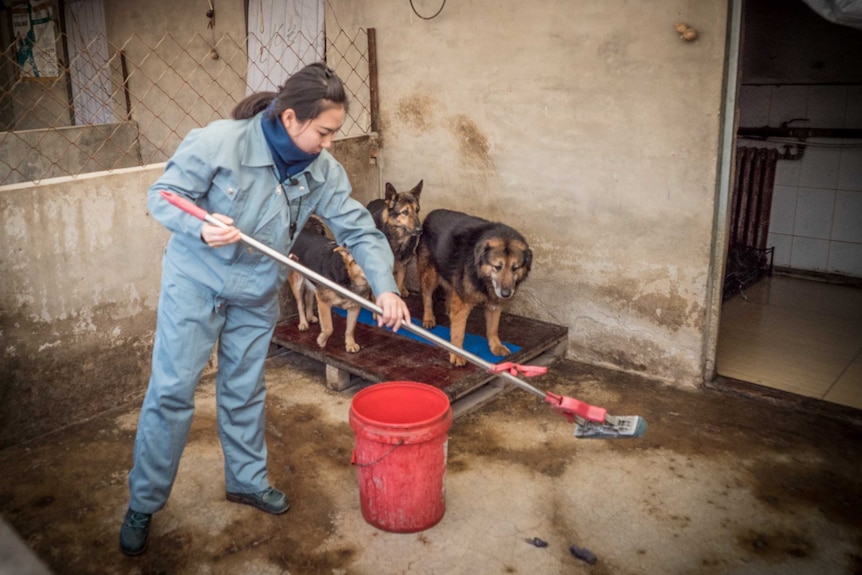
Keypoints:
pixel 475 344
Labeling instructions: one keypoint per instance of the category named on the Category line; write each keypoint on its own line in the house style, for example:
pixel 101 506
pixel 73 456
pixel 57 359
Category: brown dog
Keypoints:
pixel 477 262
pixel 397 216
pixel 323 256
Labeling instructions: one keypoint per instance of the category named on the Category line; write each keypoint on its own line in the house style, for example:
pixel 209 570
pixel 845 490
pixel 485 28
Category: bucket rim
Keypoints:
pixel 383 387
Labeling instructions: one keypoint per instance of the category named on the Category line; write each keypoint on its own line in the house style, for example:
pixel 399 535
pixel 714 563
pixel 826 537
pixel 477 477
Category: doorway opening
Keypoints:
pixel 791 317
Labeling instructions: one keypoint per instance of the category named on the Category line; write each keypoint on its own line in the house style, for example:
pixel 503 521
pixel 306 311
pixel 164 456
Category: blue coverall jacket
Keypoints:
pixel 229 295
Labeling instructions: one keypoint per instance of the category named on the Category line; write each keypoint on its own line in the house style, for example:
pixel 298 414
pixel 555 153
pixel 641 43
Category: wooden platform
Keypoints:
pixel 392 357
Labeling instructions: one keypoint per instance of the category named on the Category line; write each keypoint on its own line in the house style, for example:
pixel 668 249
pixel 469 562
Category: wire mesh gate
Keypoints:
pixel 143 97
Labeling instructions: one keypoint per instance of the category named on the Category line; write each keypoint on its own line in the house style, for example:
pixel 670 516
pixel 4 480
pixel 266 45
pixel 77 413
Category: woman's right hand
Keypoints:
pixel 215 236
pixel 395 311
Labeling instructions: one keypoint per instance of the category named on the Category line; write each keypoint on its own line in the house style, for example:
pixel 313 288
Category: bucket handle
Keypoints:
pixel 378 460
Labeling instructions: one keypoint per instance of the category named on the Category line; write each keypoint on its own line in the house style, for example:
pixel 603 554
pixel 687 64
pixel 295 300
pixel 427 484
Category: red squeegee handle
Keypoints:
pixel 185 205
pixel 570 407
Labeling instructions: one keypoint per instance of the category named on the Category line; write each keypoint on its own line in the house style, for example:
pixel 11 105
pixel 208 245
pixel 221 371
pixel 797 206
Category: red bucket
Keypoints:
pixel 401 430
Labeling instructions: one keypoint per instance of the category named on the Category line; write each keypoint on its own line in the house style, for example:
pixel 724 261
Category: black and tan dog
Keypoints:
pixel 477 262
pixel 397 216
pixel 322 255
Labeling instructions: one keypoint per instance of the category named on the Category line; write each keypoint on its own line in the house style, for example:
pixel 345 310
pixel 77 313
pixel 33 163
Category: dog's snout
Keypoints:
pixel 503 291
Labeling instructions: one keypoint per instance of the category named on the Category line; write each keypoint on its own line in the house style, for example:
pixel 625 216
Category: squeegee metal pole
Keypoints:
pixel 198 212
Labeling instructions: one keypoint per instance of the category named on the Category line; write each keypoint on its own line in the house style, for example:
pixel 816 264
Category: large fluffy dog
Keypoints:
pixel 397 216
pixel 321 255
pixel 477 262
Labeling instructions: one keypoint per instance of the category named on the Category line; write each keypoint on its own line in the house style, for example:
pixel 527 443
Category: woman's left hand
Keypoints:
pixel 395 310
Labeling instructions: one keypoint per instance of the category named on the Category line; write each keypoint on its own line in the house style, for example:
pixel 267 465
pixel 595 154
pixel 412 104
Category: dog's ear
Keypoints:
pixel 528 259
pixel 480 252
pixel 338 271
pixel 417 189
pixel 391 195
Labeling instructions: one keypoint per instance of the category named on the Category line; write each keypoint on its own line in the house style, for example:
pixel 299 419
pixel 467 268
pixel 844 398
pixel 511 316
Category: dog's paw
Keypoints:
pixel 457 360
pixel 500 349
pixel 313 319
pixel 428 323
pixel 303 326
pixel 351 347
pixel 404 293
pixel 321 340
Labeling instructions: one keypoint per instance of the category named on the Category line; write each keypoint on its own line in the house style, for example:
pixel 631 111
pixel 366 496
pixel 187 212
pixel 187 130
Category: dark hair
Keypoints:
pixel 309 92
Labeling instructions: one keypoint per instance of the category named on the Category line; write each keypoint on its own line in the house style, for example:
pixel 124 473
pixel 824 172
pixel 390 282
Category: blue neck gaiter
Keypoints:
pixel 289 160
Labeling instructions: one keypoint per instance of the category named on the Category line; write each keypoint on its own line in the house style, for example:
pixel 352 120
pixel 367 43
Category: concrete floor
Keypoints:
pixel 721 483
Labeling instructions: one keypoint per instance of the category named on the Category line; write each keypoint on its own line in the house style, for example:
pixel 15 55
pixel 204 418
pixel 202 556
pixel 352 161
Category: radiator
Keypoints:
pixel 751 201
pixel 748 257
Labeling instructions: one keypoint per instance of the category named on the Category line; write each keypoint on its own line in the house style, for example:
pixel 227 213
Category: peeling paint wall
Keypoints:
pixel 589 126
pixel 79 283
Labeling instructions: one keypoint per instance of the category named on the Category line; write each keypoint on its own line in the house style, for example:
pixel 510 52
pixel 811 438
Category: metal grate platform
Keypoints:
pixel 391 357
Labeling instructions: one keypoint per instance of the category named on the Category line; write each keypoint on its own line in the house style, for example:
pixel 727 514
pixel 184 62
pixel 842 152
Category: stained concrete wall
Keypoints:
pixel 79 278
pixel 358 156
pixel 589 126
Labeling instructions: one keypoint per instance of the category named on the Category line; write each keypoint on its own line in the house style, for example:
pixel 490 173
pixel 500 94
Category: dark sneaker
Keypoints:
pixel 135 533
pixel 270 500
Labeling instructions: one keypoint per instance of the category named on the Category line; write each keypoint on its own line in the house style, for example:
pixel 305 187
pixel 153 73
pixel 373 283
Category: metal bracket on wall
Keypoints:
pixel 373 149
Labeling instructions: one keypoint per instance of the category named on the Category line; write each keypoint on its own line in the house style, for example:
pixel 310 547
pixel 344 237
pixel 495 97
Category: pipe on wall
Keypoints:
pixel 802 133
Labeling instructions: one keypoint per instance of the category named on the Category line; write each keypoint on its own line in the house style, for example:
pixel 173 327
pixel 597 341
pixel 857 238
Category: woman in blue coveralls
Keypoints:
pixel 264 172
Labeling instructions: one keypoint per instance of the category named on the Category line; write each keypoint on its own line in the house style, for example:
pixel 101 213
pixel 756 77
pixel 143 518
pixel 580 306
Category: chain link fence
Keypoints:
pixel 123 105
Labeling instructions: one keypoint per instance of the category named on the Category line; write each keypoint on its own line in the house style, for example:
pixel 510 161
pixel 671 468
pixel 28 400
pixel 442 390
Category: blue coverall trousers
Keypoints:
pixel 189 325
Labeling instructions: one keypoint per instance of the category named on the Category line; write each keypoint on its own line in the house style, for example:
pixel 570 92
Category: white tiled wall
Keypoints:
pixel 816 218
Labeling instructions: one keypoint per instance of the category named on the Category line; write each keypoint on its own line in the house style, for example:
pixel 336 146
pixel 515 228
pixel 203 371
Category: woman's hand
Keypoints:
pixel 215 236
pixel 395 310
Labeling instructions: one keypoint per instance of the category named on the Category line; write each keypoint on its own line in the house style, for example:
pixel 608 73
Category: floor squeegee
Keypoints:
pixel 590 421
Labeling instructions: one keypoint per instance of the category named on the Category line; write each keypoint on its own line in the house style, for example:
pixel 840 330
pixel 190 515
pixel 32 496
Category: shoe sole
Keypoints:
pixel 134 553
pixel 244 501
